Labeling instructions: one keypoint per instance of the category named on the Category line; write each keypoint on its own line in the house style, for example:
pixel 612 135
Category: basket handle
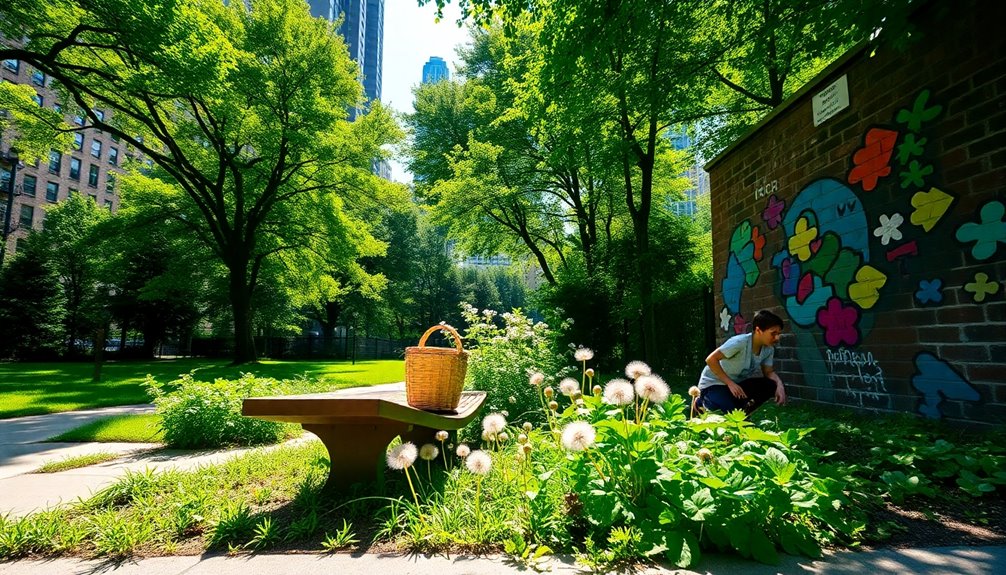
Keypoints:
pixel 429 332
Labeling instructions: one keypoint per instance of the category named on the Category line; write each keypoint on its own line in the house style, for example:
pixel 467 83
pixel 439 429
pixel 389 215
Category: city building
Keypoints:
pixel 89 168
pixel 363 30
pixel 435 70
pixel 695 174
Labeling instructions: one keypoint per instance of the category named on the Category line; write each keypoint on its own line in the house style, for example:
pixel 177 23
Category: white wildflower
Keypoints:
pixel 578 436
pixel 618 392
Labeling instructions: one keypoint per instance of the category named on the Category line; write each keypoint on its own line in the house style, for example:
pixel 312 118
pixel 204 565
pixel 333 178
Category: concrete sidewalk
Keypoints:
pixel 23 450
pixel 935 561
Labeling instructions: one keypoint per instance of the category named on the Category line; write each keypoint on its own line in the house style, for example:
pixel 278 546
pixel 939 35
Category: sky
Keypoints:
pixel 411 36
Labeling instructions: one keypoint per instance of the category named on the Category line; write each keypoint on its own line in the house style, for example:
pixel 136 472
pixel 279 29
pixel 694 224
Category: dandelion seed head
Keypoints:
pixel 590 372
pixel 596 390
pixel 578 436
pixel 428 452
pixel 522 439
pixel 463 451
pixel 583 354
pixel 442 436
pixel 694 391
pixel 553 405
pixel 549 392
pixel 494 423
pixel 569 386
pixel 618 392
pixel 527 427
pixel 652 388
pixel 479 462
pixel 536 379
pixel 636 369
pixel 402 456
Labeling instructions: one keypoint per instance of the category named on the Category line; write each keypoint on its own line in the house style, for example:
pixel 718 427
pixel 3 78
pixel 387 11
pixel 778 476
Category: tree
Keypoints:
pixel 243 111
pixel 69 240
pixel 32 304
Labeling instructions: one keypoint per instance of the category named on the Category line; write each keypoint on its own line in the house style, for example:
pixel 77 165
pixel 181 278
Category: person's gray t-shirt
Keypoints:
pixel 739 361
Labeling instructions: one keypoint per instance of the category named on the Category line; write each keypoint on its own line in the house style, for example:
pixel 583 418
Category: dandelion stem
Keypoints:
pixel 412 488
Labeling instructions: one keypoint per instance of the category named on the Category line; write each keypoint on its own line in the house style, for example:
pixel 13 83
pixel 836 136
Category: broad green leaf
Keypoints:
pixel 762 548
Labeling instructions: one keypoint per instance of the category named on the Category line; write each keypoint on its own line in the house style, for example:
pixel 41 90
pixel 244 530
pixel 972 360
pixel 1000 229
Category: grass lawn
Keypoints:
pixel 68 463
pixel 117 429
pixel 33 388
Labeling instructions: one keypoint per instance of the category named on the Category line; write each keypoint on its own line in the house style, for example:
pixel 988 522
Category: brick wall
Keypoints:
pixel 880 234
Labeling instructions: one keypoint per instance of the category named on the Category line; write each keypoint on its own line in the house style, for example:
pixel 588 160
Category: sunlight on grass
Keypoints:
pixel 68 463
pixel 36 388
pixel 117 429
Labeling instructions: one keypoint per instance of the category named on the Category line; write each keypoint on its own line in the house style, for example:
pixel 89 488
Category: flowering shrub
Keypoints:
pixel 502 357
pixel 203 414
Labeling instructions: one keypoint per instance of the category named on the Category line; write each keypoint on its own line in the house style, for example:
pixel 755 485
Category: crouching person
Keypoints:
pixel 739 374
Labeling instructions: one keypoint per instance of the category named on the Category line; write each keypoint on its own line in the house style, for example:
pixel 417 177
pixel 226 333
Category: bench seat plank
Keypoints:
pixel 356 425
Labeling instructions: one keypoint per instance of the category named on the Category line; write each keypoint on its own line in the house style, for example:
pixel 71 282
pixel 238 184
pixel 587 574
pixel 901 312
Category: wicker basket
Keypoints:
pixel 434 376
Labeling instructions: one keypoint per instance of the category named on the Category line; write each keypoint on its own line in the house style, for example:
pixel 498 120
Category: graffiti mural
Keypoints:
pixel 936 380
pixel 845 249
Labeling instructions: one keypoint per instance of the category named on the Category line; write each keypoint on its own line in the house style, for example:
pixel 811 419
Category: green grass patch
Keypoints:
pixel 35 388
pixel 143 428
pixel 76 462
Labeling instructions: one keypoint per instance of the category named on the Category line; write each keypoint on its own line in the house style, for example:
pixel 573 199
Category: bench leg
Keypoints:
pixel 355 451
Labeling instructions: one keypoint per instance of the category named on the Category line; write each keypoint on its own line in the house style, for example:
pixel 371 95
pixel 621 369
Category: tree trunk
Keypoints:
pixel 240 292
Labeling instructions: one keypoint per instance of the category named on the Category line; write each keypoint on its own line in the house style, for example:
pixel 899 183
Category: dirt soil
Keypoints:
pixel 939 523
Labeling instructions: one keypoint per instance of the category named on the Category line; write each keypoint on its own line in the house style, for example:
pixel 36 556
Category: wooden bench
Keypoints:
pixel 356 425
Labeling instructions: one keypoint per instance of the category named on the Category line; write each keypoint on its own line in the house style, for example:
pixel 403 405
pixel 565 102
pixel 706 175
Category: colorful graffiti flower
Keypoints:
pixel 772 214
pixel 803 235
pixel 982 287
pixel 930 291
pixel 888 228
pixel 759 242
pixel 871 162
pixel 839 323
pixel 725 319
pixel 865 291
pixel 930 207
pixel 988 233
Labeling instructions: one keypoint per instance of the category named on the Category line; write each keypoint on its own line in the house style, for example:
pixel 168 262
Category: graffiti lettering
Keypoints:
pixel 766 189
pixel 858 370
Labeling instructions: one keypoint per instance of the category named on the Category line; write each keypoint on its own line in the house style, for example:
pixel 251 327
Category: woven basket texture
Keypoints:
pixel 434 376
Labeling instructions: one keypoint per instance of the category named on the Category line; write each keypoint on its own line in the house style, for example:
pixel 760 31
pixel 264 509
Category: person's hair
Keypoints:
pixel 764 319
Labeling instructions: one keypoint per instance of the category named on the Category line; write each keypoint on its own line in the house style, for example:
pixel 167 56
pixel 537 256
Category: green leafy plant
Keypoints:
pixel 203 414
pixel 234 523
pixel 342 538
pixel 265 534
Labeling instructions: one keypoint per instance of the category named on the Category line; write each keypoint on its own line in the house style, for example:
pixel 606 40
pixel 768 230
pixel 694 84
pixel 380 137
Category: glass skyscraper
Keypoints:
pixel 435 70
pixel 363 29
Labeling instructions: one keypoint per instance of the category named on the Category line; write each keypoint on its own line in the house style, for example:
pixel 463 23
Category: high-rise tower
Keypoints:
pixel 363 30
pixel 435 70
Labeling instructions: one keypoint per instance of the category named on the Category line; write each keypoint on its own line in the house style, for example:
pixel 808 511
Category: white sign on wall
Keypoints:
pixel 831 100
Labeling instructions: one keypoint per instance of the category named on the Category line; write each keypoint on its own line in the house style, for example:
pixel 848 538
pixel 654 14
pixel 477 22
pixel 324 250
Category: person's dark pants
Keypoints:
pixel 718 397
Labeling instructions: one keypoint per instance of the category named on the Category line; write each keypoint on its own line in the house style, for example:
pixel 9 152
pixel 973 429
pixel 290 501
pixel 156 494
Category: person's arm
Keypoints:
pixel 713 361
pixel 780 390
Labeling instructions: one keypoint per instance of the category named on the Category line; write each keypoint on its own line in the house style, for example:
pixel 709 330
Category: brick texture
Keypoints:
pixel 879 230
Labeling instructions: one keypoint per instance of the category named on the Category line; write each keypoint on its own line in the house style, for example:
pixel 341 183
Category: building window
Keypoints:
pixel 51 191
pixel 113 156
pixel 28 185
pixel 78 119
pixel 78 141
pixel 58 108
pixel 99 114
pixel 92 176
pixel 38 78
pixel 108 204
pixel 74 169
pixel 110 183
pixel 96 149
pixel 94 197
pixel 38 100
pixel 55 161
pixel 27 215
pixel 4 181
pixel 12 64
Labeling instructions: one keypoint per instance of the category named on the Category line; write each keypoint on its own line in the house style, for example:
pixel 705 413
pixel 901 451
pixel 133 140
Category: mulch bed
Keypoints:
pixel 929 523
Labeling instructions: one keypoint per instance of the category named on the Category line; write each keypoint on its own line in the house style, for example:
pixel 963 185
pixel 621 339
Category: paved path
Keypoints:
pixel 935 561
